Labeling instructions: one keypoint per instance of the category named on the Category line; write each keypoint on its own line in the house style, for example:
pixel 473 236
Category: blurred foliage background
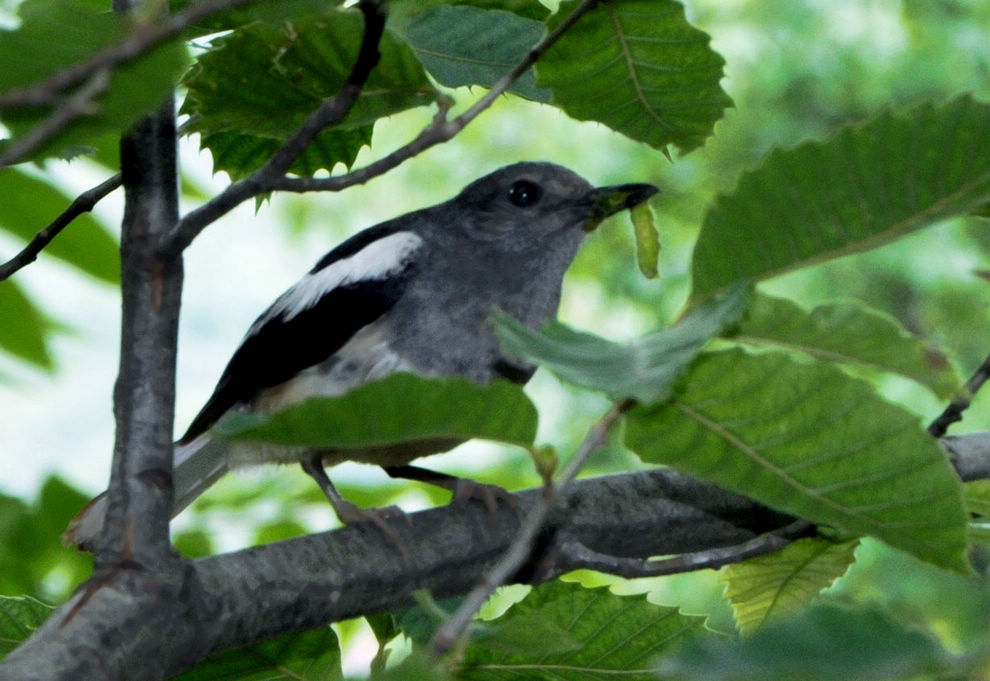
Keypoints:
pixel 796 70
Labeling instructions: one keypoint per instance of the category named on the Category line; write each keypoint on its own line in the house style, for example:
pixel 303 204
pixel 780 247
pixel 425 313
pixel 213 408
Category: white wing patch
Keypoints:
pixel 377 260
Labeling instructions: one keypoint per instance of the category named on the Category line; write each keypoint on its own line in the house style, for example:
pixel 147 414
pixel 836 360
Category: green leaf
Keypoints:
pixel 769 587
pixel 32 559
pixel 847 332
pixel 812 441
pixel 864 187
pixel 978 497
pixel 595 634
pixel 19 617
pixel 641 69
pixel 312 654
pixel 240 155
pixel 406 408
pixel 644 369
pixel 465 45
pixel 71 32
pixel 26 336
pixel 30 204
pixel 263 80
pixel 827 642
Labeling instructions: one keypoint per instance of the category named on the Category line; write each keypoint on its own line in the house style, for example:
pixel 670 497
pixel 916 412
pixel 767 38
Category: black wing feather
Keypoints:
pixel 279 349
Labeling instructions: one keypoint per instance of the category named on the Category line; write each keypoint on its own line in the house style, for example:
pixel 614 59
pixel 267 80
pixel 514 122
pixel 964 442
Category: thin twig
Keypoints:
pixel 448 633
pixel 142 40
pixel 82 204
pixel 572 555
pixel 961 402
pixel 439 130
pixel 80 103
pixel 331 111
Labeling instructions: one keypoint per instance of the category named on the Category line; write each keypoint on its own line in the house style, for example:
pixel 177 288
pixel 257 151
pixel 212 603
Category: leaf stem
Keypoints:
pixel 519 551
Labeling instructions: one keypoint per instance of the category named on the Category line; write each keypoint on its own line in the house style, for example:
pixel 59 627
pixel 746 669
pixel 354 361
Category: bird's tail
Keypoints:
pixel 195 467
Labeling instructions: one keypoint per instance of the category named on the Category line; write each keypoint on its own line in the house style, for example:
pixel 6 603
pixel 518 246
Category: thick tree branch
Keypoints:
pixel 439 130
pixel 140 491
pixel 82 204
pixel 238 598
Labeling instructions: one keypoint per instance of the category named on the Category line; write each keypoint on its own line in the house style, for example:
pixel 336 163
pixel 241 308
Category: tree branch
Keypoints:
pixel 82 204
pixel 438 131
pixel 573 555
pixel 330 112
pixel 143 39
pixel 140 492
pixel 521 548
pixel 960 403
pixel 242 597
pixel 79 104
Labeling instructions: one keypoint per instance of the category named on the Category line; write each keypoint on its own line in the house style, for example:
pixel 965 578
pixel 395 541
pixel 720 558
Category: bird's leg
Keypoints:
pixel 463 489
pixel 349 513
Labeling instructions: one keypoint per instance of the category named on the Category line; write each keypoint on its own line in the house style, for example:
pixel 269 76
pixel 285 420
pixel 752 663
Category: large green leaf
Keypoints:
pixel 312 654
pixel 30 204
pixel 405 407
pixel 864 187
pixel 19 617
pixel 24 332
pixel 768 587
pixel 263 80
pixel 644 369
pixel 641 69
pixel 55 35
pixel 827 642
pixel 847 332
pixel 239 155
pixel 810 440
pixel 566 632
pixel 465 45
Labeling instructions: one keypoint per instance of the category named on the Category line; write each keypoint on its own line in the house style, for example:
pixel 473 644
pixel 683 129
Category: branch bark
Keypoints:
pixel 103 632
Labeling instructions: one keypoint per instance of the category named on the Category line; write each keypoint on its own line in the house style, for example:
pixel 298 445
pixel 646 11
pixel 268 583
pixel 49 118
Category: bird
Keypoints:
pixel 415 293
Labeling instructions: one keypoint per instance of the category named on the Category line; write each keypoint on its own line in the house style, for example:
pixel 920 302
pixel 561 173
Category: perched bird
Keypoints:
pixel 414 294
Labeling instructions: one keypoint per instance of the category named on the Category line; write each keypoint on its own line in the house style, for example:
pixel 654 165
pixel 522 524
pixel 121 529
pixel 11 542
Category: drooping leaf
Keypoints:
pixel 24 331
pixel 29 204
pixel 55 35
pixel 766 588
pixel 641 69
pixel 19 617
pixel 864 187
pixel 810 440
pixel 644 369
pixel 847 332
pixel 239 155
pixel 262 80
pixel 567 632
pixel 463 45
pixel 825 643
pixel 406 407
pixel 311 654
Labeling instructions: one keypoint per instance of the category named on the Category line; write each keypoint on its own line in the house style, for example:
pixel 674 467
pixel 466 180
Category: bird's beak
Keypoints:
pixel 606 201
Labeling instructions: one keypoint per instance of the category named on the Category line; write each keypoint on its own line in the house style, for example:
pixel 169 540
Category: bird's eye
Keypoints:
pixel 524 193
